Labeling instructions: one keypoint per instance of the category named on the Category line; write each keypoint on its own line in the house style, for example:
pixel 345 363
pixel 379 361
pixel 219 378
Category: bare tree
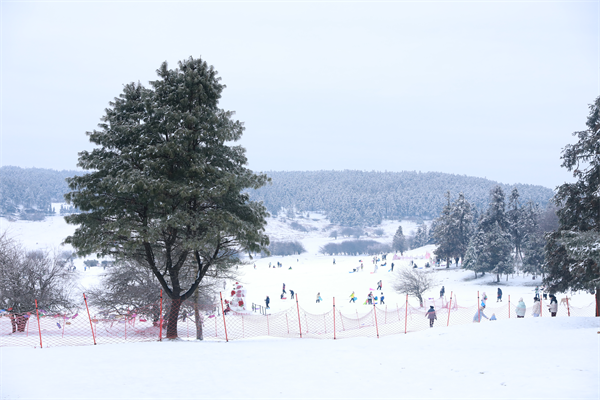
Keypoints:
pixel 128 287
pixel 27 276
pixel 414 283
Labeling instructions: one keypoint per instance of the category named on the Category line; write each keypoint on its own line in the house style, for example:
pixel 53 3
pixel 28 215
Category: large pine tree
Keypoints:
pixel 166 187
pixel 572 260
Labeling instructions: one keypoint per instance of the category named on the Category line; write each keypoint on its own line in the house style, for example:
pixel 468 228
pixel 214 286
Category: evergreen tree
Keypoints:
pixel 461 226
pixel 443 233
pixel 471 260
pixel 399 241
pixel 453 229
pixel 492 244
pixel 165 189
pixel 421 236
pixel 496 254
pixel 570 260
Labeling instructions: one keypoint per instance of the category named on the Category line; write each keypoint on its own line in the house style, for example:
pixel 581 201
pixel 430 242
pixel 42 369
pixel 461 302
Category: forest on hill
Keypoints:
pixel 361 198
pixel 27 193
pixel 348 198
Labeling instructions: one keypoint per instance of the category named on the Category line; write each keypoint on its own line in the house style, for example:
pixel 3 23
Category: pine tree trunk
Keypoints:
pixel 598 302
pixel 199 333
pixel 172 318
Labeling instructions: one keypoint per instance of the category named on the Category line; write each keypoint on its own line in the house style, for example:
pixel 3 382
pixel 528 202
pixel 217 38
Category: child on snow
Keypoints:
pixel 537 307
pixel 431 315
pixel 521 308
pixel 478 315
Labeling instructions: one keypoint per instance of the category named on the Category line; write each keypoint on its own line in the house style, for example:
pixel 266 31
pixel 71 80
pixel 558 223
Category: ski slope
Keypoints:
pixel 529 358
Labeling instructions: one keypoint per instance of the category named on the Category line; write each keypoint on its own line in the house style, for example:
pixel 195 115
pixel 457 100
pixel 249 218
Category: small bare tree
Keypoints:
pixel 128 286
pixel 27 276
pixel 413 282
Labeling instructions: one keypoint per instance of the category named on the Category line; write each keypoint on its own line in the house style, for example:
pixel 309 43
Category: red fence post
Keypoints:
pixel 299 324
pixel 376 327
pixel 90 318
pixel 223 313
pixel 334 318
pixel 449 308
pixel 568 309
pixel 406 313
pixel 39 326
pixel 160 319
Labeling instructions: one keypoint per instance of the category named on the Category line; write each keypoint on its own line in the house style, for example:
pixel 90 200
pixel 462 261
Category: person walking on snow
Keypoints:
pixel 392 267
pixel 521 308
pixel 499 295
pixel 370 298
pixel 431 315
pixel 478 315
pixel 319 297
pixel 537 307
pixel 291 293
pixel 379 285
pixel 381 299
pixel 352 298
pixel 484 300
pixel 284 288
pixel 553 305
pixel 442 292
pixel 267 301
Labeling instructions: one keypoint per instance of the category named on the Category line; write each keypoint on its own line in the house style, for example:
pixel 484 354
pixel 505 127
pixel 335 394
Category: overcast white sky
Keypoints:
pixel 487 89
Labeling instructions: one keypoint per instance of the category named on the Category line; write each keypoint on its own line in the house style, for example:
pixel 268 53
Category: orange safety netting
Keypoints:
pixel 40 328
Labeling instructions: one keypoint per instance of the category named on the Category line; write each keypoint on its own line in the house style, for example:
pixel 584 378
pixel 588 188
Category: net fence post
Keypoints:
pixel 223 313
pixel 299 324
pixel 375 313
pixel 334 318
pixel 39 326
pixel 449 308
pixel 406 314
pixel 90 318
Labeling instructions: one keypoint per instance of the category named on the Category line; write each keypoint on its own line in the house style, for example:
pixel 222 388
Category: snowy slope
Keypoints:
pixel 530 358
pixel 526 359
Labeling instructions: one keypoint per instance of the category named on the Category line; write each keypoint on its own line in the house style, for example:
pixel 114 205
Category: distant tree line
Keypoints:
pixel 286 248
pixel 348 198
pixel 360 198
pixel 27 193
pixel 355 247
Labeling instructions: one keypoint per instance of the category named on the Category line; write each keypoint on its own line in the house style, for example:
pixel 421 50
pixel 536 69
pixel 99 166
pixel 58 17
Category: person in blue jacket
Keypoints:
pixel 479 314
pixel 381 299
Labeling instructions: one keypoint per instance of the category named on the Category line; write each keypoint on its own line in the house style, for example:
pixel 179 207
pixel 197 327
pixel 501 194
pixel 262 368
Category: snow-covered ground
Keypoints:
pixel 525 359
pixel 530 358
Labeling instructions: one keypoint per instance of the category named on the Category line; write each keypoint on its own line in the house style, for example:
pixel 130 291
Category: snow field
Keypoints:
pixel 530 358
